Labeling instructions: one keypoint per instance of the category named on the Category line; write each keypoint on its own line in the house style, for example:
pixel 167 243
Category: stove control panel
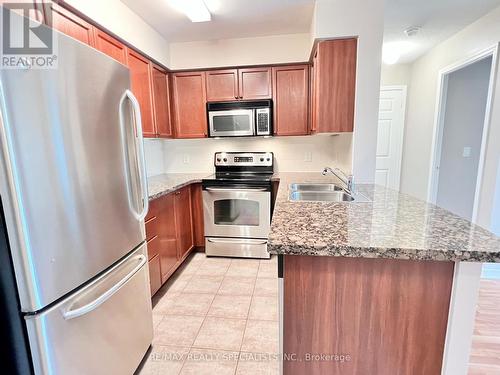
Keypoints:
pixel 244 159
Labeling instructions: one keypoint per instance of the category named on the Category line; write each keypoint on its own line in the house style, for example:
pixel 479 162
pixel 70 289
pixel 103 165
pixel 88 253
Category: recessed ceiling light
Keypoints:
pixel 195 10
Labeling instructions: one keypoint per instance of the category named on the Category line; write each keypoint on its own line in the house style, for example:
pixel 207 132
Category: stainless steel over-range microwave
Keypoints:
pixel 240 119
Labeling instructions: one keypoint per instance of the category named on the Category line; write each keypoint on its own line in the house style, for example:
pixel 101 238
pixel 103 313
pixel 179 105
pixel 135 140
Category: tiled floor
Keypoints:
pixel 485 352
pixel 216 316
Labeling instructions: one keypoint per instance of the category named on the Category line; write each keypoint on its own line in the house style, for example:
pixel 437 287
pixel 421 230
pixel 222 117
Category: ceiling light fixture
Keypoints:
pixel 195 10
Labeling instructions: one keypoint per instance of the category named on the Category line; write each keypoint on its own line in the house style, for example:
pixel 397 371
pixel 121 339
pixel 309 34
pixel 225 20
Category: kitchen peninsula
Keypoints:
pixel 368 282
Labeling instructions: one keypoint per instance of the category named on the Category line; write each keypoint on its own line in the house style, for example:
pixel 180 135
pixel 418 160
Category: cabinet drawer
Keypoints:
pixel 152 227
pixel 154 274
pixel 153 247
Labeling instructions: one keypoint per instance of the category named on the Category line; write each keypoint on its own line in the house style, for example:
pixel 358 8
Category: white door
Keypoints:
pixel 390 136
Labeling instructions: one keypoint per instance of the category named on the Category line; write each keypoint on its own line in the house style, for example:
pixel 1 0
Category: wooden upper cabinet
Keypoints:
pixel 69 23
pixel 255 83
pixel 110 46
pixel 222 85
pixel 183 220
pixel 291 99
pixel 189 98
pixel 140 77
pixel 334 85
pixel 161 100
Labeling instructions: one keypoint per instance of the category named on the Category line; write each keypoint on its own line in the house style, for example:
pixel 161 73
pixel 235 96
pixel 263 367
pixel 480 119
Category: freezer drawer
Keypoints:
pixel 104 328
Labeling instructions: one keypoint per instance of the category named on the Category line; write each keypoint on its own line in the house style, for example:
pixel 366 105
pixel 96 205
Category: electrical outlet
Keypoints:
pixel 185 158
pixel 308 157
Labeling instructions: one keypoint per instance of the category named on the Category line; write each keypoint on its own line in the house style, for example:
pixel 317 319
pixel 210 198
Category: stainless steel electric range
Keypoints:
pixel 237 204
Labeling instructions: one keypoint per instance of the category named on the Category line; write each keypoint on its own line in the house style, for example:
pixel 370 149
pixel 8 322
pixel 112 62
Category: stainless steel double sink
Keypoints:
pixel 322 192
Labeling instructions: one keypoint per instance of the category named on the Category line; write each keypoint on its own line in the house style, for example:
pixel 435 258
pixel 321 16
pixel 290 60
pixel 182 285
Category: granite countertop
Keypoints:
pixel 165 183
pixel 392 225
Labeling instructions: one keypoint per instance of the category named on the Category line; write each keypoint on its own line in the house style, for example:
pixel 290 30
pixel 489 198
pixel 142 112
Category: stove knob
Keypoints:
pixel 218 159
pixel 225 160
pixel 268 159
pixel 261 159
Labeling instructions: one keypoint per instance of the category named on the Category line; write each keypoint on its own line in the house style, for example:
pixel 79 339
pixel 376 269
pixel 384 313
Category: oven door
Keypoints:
pixel 232 123
pixel 237 212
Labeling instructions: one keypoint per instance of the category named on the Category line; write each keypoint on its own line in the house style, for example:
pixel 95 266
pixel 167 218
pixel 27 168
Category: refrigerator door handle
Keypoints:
pixel 69 313
pixel 139 146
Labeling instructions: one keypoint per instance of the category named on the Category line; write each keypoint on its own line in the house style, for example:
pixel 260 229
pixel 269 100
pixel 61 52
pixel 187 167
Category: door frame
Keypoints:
pixel 439 117
pixel 404 90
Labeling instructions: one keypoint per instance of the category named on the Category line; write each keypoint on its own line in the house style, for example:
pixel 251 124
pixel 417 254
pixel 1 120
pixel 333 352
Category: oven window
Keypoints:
pixel 236 212
pixel 228 123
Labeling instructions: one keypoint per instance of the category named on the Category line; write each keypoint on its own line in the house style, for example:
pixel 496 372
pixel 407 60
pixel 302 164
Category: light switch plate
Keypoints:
pixel 467 152
pixel 185 159
pixel 308 156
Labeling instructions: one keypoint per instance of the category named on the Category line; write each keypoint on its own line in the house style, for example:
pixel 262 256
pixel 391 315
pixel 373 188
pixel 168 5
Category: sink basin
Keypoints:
pixel 325 196
pixel 315 187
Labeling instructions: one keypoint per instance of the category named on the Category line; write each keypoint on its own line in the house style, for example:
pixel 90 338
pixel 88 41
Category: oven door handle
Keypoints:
pixel 236 189
pixel 238 241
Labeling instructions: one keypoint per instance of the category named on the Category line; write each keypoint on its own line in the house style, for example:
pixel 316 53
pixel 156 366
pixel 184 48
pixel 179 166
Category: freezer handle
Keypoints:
pixel 69 313
pixel 139 148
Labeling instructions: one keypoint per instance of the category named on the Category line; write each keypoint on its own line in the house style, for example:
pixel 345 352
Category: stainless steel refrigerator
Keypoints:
pixel 73 197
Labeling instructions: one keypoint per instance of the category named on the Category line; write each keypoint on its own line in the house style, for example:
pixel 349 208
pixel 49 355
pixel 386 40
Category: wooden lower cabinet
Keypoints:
pixel 169 233
pixel 154 274
pixel 167 236
pixel 197 212
pixel 183 220
pixel 384 316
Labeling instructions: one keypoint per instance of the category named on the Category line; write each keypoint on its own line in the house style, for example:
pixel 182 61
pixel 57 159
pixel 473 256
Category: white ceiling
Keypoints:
pixel 439 20
pixel 230 18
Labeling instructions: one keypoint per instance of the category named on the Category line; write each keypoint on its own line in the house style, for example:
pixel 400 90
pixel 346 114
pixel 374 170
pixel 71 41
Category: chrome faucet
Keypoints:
pixel 347 180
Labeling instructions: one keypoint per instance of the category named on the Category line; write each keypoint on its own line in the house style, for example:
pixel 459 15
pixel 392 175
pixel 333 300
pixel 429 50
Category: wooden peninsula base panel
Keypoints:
pixel 379 316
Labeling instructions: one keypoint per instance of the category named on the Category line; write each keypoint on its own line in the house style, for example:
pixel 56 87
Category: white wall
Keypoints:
pixel 395 75
pixel 119 19
pixel 463 127
pixel 476 37
pixel 365 19
pixel 308 153
pixel 241 51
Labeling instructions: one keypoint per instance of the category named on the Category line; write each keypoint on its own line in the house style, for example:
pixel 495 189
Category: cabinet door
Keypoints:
pixel 69 23
pixel 254 83
pixel 290 94
pixel 197 213
pixel 110 46
pixel 140 77
pixel 167 236
pixel 183 221
pixel 312 90
pixel 154 274
pixel 335 85
pixel 222 85
pixel 161 100
pixel 190 117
